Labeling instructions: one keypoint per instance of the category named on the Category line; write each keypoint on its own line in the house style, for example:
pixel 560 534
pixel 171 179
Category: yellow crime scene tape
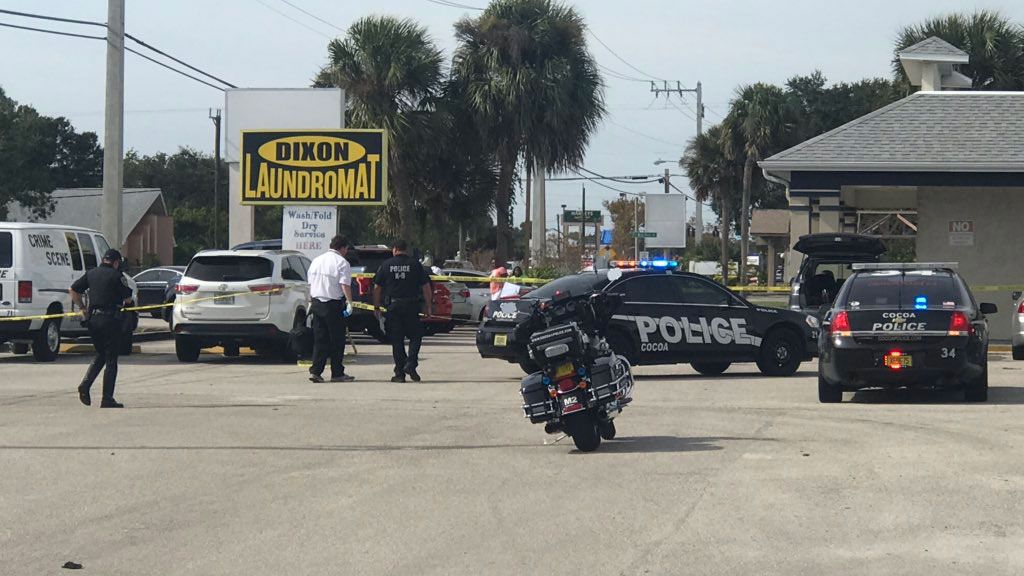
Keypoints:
pixel 496 279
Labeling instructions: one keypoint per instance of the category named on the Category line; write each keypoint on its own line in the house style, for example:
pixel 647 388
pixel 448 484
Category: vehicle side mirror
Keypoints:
pixel 988 308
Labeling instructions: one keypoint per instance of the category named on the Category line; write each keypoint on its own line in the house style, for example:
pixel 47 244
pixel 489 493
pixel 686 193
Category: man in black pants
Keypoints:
pixel 406 287
pixel 330 279
pixel 108 293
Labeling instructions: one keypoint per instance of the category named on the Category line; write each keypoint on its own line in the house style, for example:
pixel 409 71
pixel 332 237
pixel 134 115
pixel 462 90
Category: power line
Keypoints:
pixel 173 69
pixel 183 63
pixel 54 18
pixel 454 5
pixel 620 75
pixel 602 184
pixel 299 22
pixel 313 16
pixel 650 179
pixel 621 59
pixel 103 25
pixel 45 31
pixel 639 133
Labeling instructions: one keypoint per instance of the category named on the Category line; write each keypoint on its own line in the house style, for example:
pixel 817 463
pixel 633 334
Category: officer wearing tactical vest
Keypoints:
pixel 406 288
pixel 108 293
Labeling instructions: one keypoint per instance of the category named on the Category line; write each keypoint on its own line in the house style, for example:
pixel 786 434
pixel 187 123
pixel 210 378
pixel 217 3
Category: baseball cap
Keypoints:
pixel 112 255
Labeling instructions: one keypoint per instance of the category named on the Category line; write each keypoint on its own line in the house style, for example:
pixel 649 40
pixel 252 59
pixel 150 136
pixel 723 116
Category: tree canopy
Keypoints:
pixel 39 153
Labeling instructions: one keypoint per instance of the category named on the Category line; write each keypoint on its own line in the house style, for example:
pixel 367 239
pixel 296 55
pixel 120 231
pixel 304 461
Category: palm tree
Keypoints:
pixel 390 69
pixel 994 43
pixel 756 125
pixel 713 176
pixel 533 87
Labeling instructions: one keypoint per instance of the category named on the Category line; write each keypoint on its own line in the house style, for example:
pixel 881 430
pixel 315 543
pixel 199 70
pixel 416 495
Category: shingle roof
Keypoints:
pixel 83 207
pixel 933 46
pixel 927 131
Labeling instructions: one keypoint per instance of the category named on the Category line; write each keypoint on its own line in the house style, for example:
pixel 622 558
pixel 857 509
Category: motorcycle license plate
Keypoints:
pixel 501 339
pixel 564 370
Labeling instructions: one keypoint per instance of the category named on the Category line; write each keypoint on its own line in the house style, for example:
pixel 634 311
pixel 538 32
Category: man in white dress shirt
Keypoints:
pixel 330 279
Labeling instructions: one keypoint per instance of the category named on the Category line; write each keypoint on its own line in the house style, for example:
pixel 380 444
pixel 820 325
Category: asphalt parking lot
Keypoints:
pixel 239 466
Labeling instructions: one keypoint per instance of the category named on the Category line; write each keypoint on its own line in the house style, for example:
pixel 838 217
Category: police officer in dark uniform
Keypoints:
pixel 108 293
pixel 406 289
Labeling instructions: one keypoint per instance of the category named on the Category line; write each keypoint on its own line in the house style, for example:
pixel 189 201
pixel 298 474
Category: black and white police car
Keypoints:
pixel 668 317
pixel 904 325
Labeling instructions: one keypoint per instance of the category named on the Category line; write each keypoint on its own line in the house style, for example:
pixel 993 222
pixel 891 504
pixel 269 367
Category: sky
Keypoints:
pixel 270 43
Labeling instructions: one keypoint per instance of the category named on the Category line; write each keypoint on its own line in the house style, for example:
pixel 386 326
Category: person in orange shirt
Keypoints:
pixel 499 272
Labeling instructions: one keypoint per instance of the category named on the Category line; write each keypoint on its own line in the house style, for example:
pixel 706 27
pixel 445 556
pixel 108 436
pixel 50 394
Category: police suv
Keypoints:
pixel 668 317
pixel 896 325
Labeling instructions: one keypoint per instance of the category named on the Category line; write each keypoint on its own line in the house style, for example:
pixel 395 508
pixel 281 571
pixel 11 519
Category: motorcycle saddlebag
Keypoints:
pixel 601 377
pixel 537 404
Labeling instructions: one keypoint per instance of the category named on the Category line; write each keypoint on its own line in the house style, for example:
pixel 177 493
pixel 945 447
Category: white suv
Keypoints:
pixel 233 298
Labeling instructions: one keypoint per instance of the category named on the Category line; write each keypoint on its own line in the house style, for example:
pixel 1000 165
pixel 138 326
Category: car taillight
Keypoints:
pixel 365 285
pixel 841 324
pixel 185 288
pixel 464 292
pixel 267 288
pixel 959 324
pixel 1020 309
pixel 24 291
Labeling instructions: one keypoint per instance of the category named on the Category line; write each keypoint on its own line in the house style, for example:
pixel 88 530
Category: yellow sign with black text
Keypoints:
pixel 314 167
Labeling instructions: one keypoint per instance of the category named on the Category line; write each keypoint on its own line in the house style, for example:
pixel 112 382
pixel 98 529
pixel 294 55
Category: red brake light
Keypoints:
pixel 1020 309
pixel 24 291
pixel 268 288
pixel 841 323
pixel 958 323
pixel 185 288
pixel 894 360
pixel 365 285
pixel 567 384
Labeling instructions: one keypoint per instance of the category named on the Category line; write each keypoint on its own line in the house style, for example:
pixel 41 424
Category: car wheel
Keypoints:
pixel 780 354
pixel 977 389
pixel 186 348
pixel 528 366
pixel 827 393
pixel 1018 352
pixel 710 368
pixel 621 345
pixel 376 333
pixel 584 431
pixel 46 342
pixel 125 344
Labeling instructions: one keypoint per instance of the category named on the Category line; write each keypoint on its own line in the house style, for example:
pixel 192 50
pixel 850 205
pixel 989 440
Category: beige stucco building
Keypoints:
pixel 943 167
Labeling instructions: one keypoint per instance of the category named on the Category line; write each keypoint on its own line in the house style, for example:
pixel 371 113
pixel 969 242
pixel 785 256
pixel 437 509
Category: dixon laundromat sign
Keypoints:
pixel 314 167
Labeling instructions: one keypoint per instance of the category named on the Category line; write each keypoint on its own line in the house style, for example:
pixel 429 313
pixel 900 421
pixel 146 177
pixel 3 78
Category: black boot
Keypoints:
pixel 83 394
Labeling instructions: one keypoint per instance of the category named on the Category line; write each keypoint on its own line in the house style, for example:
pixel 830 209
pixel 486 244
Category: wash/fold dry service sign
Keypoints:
pixel 297 167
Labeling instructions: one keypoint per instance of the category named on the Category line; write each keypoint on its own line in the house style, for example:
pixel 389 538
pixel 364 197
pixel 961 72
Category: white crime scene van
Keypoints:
pixel 38 263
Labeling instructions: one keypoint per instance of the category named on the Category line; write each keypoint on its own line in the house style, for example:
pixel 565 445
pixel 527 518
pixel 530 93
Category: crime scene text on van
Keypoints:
pixel 322 167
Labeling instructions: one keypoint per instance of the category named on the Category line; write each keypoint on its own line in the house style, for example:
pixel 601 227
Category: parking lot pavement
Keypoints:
pixel 240 466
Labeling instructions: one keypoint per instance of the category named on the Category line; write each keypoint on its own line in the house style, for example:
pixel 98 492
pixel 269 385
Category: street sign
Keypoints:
pixel 576 216
pixel 644 234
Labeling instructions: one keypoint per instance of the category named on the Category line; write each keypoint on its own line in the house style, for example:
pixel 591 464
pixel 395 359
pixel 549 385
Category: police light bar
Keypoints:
pixel 623 263
pixel 659 264
pixel 905 265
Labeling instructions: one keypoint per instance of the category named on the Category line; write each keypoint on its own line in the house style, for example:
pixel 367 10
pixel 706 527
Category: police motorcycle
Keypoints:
pixel 582 385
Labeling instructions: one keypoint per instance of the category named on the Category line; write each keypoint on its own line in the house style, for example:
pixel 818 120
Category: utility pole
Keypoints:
pixel 699 92
pixel 113 125
pixel 215 116
pixel 636 228
pixel 583 223
pixel 539 217
pixel 561 231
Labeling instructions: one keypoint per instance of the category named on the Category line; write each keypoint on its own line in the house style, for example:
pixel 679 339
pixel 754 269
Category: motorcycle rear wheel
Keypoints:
pixel 584 431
